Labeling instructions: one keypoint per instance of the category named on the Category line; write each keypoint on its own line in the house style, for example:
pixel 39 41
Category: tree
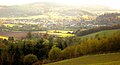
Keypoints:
pixel 30 59
pixel 17 55
pixel 60 43
pixel 77 51
pixel 65 45
pixel 11 39
pixel 68 52
pixel 54 53
pixel 29 35
pixel 41 50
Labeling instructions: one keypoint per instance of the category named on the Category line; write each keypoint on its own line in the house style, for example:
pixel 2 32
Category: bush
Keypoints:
pixel 54 53
pixel 30 59
pixel 68 52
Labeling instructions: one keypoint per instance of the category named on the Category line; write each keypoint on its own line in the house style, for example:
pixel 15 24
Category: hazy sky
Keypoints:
pixel 111 3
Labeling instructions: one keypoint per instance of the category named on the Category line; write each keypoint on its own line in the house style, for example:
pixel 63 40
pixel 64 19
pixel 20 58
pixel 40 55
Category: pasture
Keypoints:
pixel 99 59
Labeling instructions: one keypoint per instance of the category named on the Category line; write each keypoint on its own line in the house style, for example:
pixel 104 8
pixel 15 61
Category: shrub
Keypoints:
pixel 30 59
pixel 54 53
pixel 68 52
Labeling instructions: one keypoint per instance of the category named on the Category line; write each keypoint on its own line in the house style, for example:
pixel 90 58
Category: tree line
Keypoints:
pixel 48 49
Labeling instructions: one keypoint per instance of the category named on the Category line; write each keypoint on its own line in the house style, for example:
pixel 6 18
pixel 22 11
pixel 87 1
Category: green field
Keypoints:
pixel 100 59
pixel 9 25
pixel 3 37
pixel 108 63
pixel 60 33
pixel 100 34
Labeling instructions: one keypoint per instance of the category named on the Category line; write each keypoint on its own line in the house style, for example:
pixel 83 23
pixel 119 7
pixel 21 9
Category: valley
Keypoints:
pixel 51 33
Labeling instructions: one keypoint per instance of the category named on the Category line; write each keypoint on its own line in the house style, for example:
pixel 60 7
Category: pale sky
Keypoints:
pixel 111 3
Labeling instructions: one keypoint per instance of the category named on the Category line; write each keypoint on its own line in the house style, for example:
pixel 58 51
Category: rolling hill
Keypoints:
pixel 100 59
pixel 80 32
pixel 45 8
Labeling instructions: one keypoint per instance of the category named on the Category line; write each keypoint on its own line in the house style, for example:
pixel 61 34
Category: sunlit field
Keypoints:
pixel 100 59
pixel 9 25
pixel 60 33
pixel 2 37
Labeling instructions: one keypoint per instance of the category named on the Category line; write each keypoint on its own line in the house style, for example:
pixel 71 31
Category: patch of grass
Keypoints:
pixel 100 59
pixel 108 63
pixel 60 33
pixel 100 34
pixel 9 25
pixel 66 35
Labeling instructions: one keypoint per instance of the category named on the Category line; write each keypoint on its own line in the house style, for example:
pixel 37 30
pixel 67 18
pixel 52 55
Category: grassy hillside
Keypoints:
pixel 108 63
pixel 96 29
pixel 102 59
pixel 100 34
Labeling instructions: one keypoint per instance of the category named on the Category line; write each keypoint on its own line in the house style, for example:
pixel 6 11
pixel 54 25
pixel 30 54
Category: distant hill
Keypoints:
pixel 109 19
pixel 44 8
